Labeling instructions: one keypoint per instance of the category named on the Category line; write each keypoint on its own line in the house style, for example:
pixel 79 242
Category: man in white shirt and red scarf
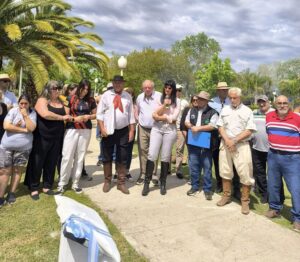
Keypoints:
pixel 116 121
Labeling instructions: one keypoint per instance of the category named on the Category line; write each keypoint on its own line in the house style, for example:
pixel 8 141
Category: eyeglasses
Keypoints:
pixel 195 100
pixel 282 103
pixel 5 80
pixel 178 90
pixel 168 87
pixel 55 88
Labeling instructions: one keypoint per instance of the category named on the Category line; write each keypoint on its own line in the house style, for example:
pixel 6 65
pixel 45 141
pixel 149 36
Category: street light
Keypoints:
pixel 96 84
pixel 122 63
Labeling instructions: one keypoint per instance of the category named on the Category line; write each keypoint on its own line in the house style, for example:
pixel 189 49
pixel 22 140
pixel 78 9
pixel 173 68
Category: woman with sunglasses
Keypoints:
pixel 15 146
pixel 51 115
pixel 163 136
pixel 77 136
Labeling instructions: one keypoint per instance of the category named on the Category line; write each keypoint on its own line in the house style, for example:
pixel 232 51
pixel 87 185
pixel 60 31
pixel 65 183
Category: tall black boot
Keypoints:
pixel 163 177
pixel 148 177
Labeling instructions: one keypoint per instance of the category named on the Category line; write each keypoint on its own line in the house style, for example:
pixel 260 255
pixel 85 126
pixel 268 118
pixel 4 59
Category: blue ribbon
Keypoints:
pixel 81 228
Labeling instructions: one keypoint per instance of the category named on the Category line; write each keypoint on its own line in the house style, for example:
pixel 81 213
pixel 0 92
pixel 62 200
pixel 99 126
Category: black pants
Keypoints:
pixel 259 160
pixel 119 139
pixel 42 161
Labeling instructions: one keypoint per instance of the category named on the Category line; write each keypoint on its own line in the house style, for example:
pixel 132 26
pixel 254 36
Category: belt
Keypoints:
pixel 280 152
pixel 146 128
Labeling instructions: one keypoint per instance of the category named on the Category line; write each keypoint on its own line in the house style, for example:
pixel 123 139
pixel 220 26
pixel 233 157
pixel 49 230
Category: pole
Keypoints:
pixel 20 81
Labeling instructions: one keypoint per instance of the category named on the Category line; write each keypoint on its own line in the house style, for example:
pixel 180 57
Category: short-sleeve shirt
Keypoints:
pixel 9 98
pixel 80 107
pixel 236 120
pixel 14 140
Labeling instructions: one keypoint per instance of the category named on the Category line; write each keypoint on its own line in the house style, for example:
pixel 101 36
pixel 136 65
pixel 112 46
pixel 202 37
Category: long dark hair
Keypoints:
pixel 82 84
pixel 172 84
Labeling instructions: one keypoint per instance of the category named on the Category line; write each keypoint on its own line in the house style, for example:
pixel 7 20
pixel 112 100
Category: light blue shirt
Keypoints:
pixel 217 104
pixel 9 98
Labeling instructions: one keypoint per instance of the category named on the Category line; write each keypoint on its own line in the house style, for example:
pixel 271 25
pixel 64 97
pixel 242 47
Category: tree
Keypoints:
pixel 198 49
pixel 36 34
pixel 208 76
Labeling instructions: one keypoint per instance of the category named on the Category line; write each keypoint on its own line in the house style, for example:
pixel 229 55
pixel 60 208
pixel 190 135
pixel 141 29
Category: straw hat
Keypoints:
pixel 222 85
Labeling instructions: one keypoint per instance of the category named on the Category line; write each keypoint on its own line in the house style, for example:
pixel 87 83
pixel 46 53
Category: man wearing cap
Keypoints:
pixel 235 127
pixel 217 103
pixel 115 117
pixel 147 102
pixel 201 119
pixel 9 98
pixel 283 127
pixel 180 140
pixel 260 147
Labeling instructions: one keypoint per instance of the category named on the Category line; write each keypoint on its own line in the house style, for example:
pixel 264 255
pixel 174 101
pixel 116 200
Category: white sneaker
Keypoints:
pixel 77 190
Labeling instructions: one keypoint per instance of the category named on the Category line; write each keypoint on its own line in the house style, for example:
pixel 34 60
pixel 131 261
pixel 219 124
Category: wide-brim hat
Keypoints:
pixel 204 95
pixel 4 77
pixel 118 78
pixel 222 85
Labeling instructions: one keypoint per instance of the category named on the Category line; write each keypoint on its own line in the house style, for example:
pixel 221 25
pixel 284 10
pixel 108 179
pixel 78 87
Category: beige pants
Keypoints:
pixel 241 159
pixel 180 143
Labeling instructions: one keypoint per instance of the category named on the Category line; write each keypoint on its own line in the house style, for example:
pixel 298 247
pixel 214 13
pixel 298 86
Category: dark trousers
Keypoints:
pixel 259 160
pixel 118 139
pixel 42 161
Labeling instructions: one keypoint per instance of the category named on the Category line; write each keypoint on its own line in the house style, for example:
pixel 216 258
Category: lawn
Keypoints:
pixel 30 230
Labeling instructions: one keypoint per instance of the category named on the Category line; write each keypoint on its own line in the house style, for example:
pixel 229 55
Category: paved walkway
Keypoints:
pixel 176 227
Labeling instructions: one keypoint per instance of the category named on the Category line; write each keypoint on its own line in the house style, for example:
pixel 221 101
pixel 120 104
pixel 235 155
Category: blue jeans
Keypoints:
pixel 200 158
pixel 288 167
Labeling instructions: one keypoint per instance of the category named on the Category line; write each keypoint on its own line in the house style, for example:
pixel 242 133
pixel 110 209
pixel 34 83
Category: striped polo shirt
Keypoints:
pixel 283 134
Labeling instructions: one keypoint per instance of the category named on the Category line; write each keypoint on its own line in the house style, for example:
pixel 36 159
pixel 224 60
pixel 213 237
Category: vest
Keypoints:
pixel 205 119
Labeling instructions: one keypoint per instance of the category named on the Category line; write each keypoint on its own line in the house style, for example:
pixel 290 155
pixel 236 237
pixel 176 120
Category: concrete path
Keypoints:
pixel 177 227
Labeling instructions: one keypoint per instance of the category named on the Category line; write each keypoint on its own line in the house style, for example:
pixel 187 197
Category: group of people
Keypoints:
pixel 255 148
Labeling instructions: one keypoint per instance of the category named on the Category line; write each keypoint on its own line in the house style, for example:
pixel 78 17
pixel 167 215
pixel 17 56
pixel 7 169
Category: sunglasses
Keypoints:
pixel 5 81
pixel 195 100
pixel 55 88
pixel 168 87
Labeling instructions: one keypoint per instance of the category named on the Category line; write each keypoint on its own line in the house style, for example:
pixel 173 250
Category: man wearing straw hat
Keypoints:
pixel 9 98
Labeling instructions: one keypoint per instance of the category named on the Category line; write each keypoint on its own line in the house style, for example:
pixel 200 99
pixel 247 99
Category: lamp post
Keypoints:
pixel 96 84
pixel 122 63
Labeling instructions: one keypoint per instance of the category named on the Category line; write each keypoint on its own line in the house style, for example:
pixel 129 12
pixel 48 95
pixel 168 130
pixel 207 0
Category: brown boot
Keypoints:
pixel 245 199
pixel 226 198
pixel 107 169
pixel 121 170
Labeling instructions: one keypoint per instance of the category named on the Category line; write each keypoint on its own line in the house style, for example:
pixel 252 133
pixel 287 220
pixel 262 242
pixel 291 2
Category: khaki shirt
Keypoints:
pixel 236 120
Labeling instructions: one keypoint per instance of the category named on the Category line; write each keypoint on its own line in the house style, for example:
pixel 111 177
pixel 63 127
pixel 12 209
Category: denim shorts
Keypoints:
pixel 10 158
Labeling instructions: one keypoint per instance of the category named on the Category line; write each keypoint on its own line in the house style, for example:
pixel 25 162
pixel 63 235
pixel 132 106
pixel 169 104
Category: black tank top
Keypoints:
pixel 51 129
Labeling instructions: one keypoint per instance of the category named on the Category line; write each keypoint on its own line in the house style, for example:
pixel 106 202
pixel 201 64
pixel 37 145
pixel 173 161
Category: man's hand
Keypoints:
pixel 103 132
pixel 131 136
pixel 230 144
pixel 195 129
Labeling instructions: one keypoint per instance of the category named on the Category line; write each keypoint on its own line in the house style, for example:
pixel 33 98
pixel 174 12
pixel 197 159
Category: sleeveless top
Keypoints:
pixel 51 129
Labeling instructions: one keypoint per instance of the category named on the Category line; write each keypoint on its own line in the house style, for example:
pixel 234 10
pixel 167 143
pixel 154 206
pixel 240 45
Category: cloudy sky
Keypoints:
pixel 250 32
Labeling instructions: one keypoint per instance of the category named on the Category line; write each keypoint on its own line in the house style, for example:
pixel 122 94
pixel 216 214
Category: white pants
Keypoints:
pixel 76 142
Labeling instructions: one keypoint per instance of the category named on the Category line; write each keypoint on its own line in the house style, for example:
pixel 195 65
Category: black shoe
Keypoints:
pixel 2 201
pixel 84 173
pixel 192 192
pixel 50 193
pixel 11 198
pixel 264 199
pixel 35 197
pixel 146 190
pixel 208 195
pixel 179 175
pixel 77 190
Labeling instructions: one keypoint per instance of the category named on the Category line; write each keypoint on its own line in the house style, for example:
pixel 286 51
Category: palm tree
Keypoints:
pixel 35 34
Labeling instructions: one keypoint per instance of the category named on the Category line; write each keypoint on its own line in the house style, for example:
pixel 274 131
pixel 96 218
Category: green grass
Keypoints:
pixel 30 230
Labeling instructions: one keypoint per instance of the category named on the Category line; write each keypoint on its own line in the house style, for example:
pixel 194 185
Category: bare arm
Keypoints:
pixel 30 125
pixel 12 128
pixel 42 108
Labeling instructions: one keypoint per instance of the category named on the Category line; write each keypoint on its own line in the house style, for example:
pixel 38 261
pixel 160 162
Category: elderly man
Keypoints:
pixel 260 147
pixel 217 103
pixel 9 98
pixel 146 103
pixel 283 127
pixel 116 121
pixel 180 139
pixel 236 126
pixel 202 120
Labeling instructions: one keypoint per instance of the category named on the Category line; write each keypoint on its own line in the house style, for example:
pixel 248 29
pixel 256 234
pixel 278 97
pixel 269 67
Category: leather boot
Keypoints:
pixel 121 170
pixel 226 198
pixel 163 177
pixel 107 169
pixel 245 199
pixel 148 177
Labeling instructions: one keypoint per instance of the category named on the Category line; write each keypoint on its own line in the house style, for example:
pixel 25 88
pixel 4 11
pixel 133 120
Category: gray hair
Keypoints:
pixel 235 90
pixel 47 88
pixel 148 81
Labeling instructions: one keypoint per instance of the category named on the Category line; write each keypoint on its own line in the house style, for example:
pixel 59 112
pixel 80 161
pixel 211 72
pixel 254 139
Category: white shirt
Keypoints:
pixel 9 98
pixel 121 120
pixel 236 120
pixel 146 107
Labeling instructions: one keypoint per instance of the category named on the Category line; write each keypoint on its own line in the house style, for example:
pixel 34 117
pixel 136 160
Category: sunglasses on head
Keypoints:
pixel 178 90
pixel 5 80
